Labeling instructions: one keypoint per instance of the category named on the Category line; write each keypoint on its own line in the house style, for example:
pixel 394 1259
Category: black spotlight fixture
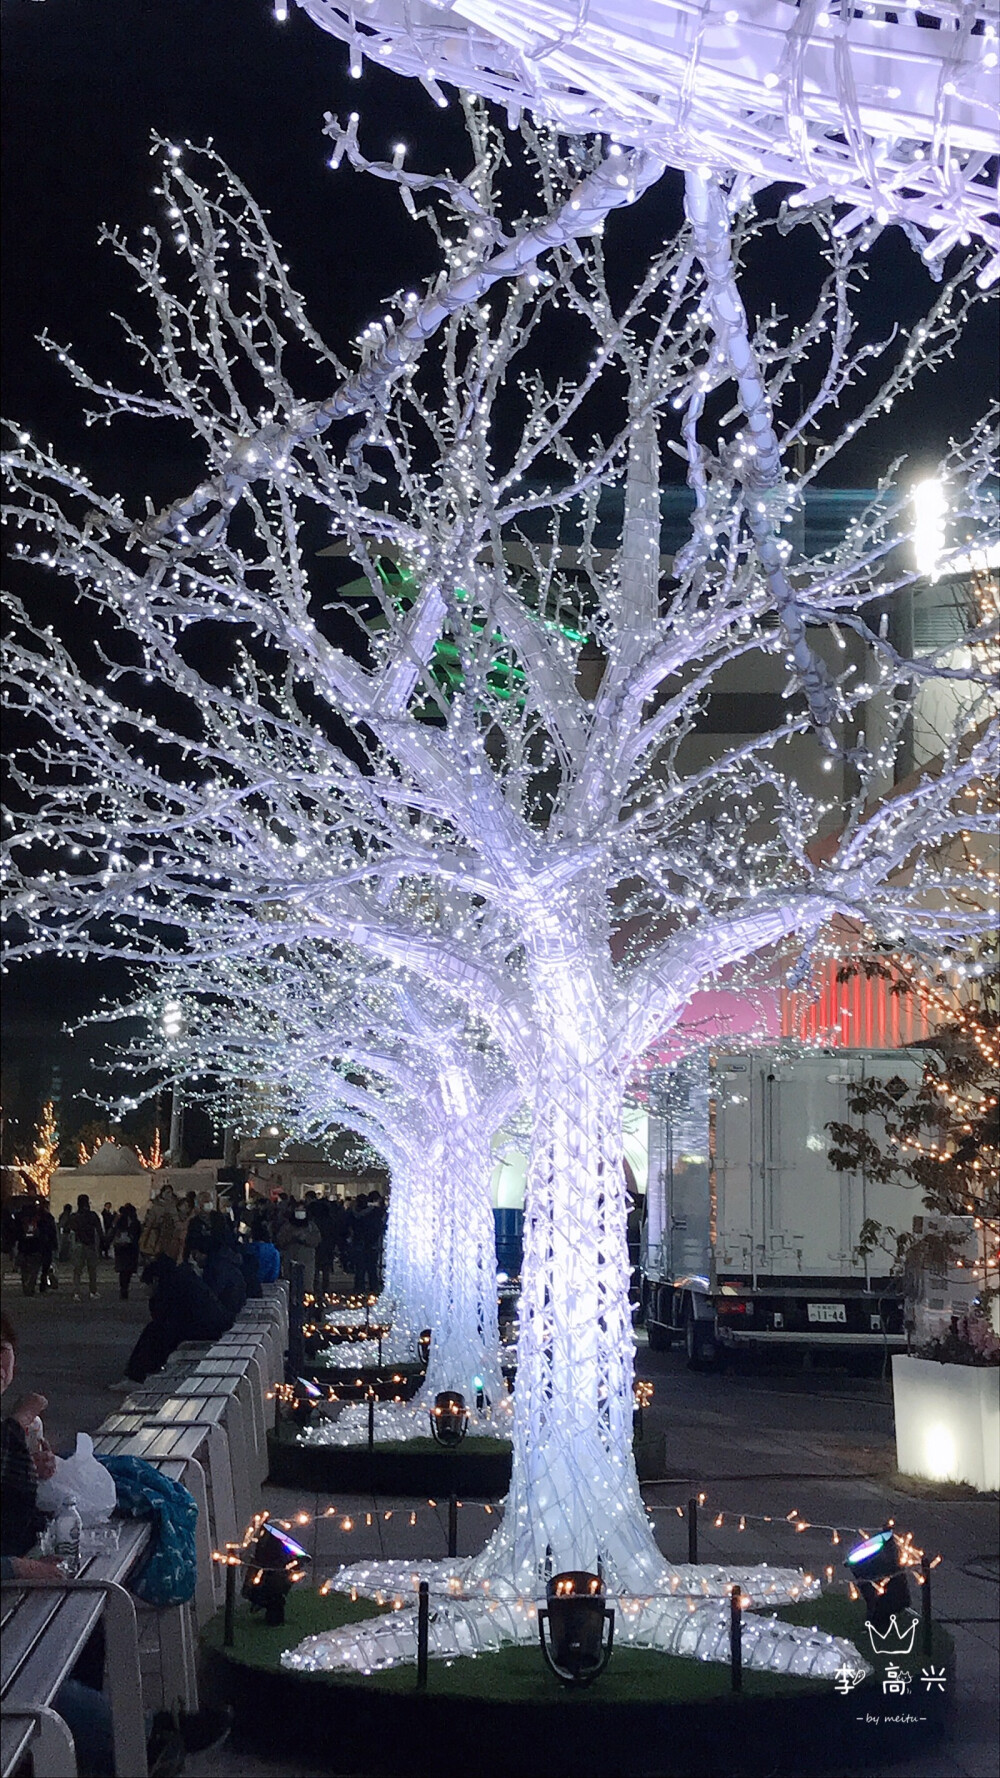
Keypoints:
pixel 272 1563
pixel 424 1346
pixel 576 1613
pixel 875 1569
pixel 307 1397
pixel 449 1418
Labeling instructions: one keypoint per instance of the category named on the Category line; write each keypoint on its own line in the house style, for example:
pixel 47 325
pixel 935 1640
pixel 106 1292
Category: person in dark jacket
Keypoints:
pixel 366 1238
pixel 50 1235
pixel 86 1233
pixel 221 1269
pixel 37 1242
pixel 374 1238
pixel 322 1215
pixel 125 1233
pixel 108 1220
pixel 65 1238
pixel 181 1307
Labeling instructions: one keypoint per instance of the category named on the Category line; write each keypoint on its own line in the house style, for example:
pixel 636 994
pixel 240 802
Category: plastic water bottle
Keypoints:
pixel 66 1538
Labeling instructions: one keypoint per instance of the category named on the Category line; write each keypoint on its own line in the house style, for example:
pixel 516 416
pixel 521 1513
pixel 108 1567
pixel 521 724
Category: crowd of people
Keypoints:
pixel 325 1236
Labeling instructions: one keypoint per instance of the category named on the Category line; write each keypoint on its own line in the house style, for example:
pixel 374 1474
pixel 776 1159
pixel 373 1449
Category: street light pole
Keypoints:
pixel 172 1024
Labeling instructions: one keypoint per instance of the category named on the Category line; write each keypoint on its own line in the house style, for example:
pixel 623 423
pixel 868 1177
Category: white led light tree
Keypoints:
pixel 495 785
pixel 329 1041
pixel 890 110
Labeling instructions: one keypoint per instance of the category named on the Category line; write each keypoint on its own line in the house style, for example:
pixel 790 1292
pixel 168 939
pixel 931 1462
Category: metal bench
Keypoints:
pixel 233 1387
pixel 237 1370
pixel 44 1626
pixel 207 1416
pixel 180 1452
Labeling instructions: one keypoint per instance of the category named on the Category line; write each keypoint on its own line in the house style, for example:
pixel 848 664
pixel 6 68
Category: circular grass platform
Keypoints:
pixel 478 1467
pixel 649 1716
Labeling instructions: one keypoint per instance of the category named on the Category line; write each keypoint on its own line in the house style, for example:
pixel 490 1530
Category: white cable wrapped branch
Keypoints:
pixel 892 113
pixel 681 1626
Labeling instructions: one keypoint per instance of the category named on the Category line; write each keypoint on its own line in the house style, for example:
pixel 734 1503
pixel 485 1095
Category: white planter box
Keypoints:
pixel 947 1421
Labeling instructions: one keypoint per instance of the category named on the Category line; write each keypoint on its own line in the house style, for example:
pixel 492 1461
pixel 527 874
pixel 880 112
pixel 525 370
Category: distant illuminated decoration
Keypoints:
pixel 889 111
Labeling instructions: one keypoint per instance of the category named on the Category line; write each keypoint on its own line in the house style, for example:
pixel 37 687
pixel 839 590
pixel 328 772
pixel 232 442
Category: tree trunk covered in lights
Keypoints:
pixel 574 1500
pixel 463 1315
pixel 410 1249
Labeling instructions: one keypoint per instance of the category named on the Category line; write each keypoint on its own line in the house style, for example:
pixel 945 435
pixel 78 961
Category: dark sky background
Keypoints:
pixel 84 84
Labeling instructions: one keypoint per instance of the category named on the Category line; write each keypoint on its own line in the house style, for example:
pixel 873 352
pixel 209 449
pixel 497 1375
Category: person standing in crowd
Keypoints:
pixel 196 1217
pixel 108 1220
pixel 374 1236
pixel 362 1218
pixel 161 1227
pixel 297 1241
pixel 322 1215
pixel 125 1234
pixel 338 1231
pixel 346 1243
pixel 65 1238
pixel 86 1232
pixel 50 1235
pixel 37 1241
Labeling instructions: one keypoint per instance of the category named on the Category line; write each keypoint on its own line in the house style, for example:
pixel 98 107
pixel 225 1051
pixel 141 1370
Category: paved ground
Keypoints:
pixel 761 1446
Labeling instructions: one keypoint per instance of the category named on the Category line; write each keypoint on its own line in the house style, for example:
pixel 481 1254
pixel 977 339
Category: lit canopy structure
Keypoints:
pixel 889 111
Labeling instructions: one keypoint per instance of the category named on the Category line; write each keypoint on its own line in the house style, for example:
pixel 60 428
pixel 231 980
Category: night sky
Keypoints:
pixel 84 84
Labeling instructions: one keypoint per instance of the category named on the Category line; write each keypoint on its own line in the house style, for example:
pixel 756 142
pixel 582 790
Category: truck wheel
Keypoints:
pixel 659 1337
pixel 699 1343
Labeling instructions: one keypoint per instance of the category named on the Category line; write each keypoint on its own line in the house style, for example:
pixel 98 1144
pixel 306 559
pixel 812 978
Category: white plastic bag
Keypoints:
pixel 83 1479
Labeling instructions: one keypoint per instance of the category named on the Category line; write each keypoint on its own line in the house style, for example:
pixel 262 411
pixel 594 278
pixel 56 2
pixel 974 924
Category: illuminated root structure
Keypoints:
pixel 688 1626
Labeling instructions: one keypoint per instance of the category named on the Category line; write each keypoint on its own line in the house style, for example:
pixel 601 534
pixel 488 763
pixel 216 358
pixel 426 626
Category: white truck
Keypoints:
pixel 751 1237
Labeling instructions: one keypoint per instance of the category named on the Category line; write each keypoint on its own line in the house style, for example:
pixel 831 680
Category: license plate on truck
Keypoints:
pixel 827 1312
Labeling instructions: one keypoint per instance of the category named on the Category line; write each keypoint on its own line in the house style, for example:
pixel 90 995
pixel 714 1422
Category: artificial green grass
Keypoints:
pixel 517 1675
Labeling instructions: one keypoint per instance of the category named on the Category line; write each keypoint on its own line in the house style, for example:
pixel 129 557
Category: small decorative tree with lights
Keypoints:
pixel 40 1165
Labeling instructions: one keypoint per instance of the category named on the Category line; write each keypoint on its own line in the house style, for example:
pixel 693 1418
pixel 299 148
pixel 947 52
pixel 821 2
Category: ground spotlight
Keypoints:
pixel 306 1399
pixel 449 1418
pixel 273 1562
pixel 874 1567
pixel 576 1614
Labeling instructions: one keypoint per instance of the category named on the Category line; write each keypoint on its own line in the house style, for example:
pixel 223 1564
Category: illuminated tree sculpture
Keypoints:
pixel 329 1041
pixel 889 110
pixel 484 770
